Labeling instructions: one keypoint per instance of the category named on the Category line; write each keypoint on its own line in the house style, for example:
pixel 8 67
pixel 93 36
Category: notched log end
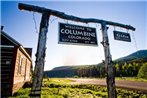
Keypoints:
pixel 20 6
pixel 130 27
pixel 24 7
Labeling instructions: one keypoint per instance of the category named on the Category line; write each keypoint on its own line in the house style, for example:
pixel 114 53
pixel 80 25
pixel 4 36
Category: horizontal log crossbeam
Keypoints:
pixel 70 17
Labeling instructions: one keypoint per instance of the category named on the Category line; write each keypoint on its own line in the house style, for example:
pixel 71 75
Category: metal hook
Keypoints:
pixel 127 30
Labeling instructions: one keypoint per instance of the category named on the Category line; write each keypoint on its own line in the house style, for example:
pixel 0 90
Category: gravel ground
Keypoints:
pixel 132 85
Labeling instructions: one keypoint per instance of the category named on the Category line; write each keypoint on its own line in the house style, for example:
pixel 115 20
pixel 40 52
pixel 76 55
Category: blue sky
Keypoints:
pixel 20 25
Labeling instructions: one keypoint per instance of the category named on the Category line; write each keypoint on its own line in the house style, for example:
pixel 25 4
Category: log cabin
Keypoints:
pixel 16 65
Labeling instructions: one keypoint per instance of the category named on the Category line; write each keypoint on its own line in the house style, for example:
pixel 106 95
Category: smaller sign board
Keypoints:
pixel 75 34
pixel 122 36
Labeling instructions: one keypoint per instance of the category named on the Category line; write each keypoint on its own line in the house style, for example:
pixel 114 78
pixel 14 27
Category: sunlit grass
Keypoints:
pixel 22 93
pixel 60 88
pixel 57 80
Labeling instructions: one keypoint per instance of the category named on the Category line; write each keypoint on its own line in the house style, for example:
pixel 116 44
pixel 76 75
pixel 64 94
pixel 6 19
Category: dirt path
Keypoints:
pixel 133 85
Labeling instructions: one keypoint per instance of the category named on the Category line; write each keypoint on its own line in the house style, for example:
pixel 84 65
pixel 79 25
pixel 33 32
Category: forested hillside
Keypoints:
pixel 128 66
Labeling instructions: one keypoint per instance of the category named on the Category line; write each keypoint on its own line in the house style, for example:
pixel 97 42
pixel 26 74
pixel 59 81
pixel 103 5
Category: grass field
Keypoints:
pixel 60 88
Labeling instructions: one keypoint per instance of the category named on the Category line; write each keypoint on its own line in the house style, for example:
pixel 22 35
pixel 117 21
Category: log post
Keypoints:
pixel 108 63
pixel 40 57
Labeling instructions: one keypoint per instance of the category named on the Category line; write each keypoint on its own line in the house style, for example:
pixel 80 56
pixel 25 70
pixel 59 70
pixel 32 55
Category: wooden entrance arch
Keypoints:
pixel 41 48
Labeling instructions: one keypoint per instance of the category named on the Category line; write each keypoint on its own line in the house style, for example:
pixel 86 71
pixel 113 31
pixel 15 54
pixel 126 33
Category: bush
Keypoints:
pixel 143 71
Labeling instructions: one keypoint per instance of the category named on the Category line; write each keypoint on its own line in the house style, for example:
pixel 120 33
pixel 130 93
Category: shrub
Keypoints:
pixel 76 76
pixel 143 71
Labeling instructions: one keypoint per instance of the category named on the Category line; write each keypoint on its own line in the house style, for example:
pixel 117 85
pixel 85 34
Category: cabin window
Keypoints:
pixel 8 62
pixel 25 75
pixel 20 64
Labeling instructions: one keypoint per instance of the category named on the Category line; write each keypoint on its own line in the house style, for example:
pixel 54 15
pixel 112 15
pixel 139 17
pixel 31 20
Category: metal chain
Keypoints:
pixel 127 30
pixel 35 22
pixel 134 41
pixel 53 20
pixel 96 25
pixel 66 21
pixel 114 28
pixel 88 24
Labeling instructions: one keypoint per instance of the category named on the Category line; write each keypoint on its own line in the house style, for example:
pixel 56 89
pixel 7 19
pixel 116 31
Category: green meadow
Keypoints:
pixel 61 88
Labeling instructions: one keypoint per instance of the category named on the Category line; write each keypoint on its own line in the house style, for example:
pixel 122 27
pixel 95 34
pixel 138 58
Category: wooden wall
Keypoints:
pixel 6 65
pixel 22 70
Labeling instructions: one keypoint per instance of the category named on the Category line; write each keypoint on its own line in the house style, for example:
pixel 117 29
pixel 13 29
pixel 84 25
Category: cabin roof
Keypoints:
pixel 12 40
pixel 4 36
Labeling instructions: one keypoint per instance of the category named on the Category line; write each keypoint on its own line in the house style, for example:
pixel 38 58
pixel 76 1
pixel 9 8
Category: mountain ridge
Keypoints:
pixel 98 70
pixel 140 54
